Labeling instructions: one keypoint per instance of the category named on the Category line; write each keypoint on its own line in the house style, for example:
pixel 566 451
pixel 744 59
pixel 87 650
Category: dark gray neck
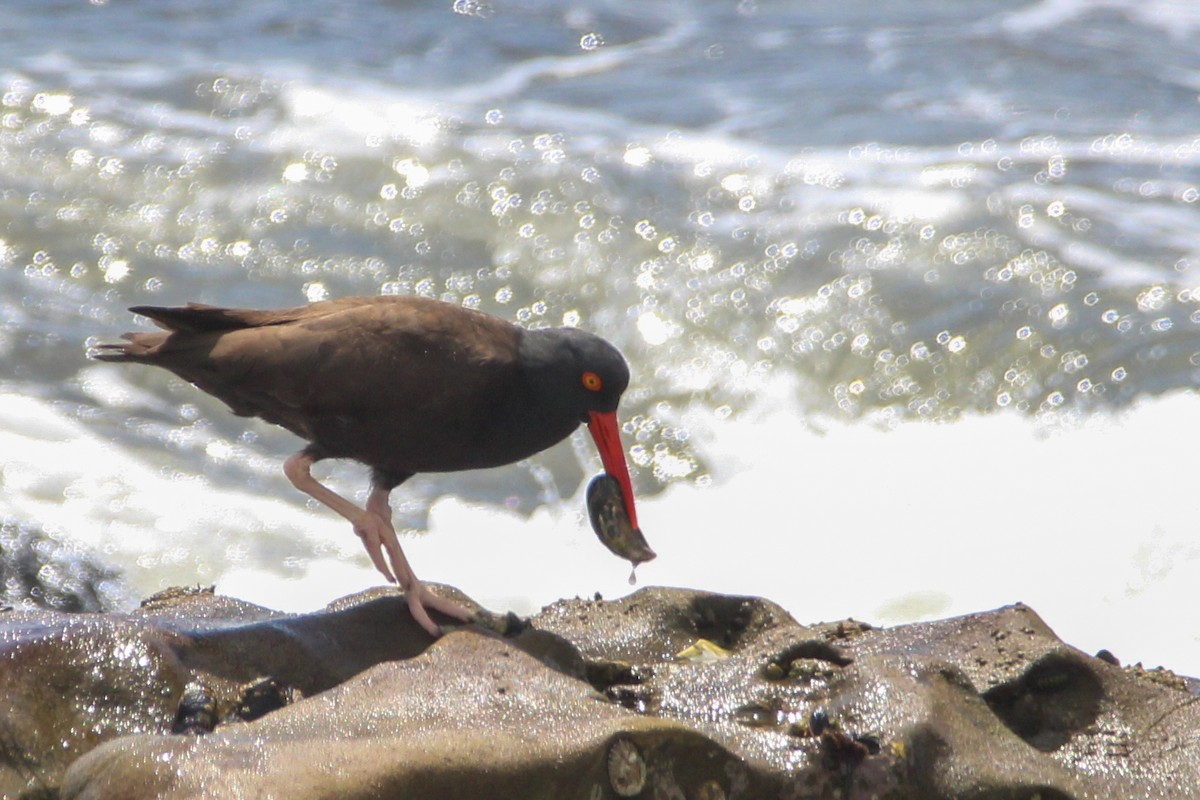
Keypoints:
pixel 538 413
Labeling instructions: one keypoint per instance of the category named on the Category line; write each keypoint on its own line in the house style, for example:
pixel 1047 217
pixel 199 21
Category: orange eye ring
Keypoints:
pixel 592 382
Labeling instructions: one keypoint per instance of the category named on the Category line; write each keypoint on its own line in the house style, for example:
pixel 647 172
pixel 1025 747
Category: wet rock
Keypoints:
pixel 177 596
pixel 73 681
pixel 590 700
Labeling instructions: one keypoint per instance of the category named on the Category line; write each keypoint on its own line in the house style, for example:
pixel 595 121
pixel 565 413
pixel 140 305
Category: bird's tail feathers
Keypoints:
pixel 137 347
pixel 194 318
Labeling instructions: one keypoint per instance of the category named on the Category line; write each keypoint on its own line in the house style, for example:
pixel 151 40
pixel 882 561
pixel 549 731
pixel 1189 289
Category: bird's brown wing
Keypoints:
pixel 200 317
pixel 357 377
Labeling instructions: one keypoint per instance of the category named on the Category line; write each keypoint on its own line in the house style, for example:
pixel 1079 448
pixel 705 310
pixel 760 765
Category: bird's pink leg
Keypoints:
pixel 415 592
pixel 374 526
pixel 368 526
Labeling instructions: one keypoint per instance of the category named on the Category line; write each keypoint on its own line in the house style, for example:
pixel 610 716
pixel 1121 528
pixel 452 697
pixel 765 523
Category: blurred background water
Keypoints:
pixel 911 291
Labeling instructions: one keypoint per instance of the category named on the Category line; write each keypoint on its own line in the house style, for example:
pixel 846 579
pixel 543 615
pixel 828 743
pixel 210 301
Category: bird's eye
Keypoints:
pixel 591 381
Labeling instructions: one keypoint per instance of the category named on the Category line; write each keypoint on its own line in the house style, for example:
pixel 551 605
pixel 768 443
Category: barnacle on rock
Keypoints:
pixel 626 768
pixel 197 712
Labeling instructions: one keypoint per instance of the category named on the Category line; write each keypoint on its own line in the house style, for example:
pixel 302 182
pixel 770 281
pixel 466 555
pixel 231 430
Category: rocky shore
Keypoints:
pixel 667 693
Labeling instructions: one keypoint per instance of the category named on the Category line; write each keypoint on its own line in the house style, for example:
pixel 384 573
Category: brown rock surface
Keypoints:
pixel 589 702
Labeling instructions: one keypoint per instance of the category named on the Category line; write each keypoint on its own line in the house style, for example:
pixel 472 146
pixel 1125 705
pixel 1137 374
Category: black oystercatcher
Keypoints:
pixel 401 384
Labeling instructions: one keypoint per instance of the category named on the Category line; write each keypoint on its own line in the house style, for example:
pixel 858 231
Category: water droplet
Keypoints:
pixel 1152 299
pixel 590 41
pixel 638 156
pixel 295 173
pixel 54 105
pixel 115 270
pixel 1162 325
pixel 472 8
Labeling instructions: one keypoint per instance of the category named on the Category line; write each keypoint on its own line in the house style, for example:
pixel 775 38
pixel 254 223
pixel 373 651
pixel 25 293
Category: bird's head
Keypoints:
pixel 587 375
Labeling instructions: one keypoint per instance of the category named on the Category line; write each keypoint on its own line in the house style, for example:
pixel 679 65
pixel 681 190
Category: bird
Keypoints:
pixel 402 384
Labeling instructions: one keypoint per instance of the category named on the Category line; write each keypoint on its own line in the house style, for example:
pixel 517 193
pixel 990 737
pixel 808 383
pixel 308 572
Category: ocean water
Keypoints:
pixel 911 292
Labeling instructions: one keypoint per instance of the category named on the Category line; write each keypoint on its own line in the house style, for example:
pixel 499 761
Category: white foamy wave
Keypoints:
pixel 1173 17
pixel 348 119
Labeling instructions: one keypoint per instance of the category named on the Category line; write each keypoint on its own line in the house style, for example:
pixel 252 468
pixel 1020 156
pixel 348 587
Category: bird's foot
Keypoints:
pixel 379 538
pixel 420 598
